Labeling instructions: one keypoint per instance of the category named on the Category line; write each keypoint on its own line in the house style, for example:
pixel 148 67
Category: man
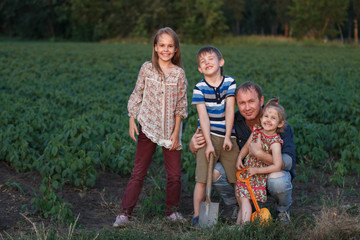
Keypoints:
pixel 250 101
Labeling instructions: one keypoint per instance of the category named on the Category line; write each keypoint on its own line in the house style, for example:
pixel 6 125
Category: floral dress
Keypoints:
pixel 257 182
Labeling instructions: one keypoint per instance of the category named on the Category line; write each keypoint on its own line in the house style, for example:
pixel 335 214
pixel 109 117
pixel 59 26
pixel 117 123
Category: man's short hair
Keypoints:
pixel 246 86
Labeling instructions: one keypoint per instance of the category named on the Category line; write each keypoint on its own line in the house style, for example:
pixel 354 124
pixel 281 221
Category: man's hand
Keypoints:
pixel 255 148
pixel 133 129
pixel 197 141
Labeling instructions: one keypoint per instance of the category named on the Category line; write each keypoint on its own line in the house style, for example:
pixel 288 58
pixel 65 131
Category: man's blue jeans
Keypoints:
pixel 280 188
pixel 223 187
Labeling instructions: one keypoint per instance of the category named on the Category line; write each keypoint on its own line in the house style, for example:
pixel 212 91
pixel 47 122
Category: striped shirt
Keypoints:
pixel 214 100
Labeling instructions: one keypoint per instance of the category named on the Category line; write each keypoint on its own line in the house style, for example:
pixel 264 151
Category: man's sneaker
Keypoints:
pixel 236 227
pixel 121 220
pixel 284 217
pixel 176 216
pixel 230 212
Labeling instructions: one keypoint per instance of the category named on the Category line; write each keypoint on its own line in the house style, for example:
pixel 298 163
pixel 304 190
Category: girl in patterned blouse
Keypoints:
pixel 272 122
pixel 159 104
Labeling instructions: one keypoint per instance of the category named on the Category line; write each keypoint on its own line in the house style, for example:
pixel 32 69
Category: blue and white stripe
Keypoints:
pixel 214 100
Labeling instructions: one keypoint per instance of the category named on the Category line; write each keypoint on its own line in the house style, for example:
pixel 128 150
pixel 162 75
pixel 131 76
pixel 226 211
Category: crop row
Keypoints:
pixel 63 105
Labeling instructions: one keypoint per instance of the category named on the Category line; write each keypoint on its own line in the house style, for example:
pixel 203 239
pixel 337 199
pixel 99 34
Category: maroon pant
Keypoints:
pixel 144 151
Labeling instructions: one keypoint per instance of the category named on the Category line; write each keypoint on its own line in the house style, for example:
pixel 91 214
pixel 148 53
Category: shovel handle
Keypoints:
pixel 247 181
pixel 209 179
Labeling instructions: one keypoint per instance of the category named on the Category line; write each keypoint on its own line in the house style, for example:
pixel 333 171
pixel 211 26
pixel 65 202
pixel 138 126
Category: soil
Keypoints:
pixel 99 205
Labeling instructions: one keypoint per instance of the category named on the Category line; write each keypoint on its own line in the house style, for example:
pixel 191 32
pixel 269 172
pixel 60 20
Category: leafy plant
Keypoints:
pixel 64 108
pixel 153 204
pixel 48 204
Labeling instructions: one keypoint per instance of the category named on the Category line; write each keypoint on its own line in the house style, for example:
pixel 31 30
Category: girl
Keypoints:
pixel 272 122
pixel 158 102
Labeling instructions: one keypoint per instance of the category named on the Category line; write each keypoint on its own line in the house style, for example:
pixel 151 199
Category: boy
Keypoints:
pixel 214 97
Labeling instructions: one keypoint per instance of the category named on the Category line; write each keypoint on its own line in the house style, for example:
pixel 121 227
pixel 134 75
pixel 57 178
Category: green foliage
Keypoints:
pixel 49 205
pixel 194 20
pixel 234 13
pixel 314 17
pixel 15 185
pixel 30 19
pixel 153 205
pixel 64 107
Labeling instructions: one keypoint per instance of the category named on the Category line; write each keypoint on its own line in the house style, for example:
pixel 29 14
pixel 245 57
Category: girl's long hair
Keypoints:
pixel 176 58
pixel 274 103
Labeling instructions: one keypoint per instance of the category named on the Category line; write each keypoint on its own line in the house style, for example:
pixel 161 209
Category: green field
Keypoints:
pixel 63 107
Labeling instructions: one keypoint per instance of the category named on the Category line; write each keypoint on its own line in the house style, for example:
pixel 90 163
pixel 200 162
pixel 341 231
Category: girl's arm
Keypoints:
pixel 136 96
pixel 205 128
pixel 229 122
pixel 256 150
pixel 135 100
pixel 277 162
pixel 133 128
pixel 182 104
pixel 180 110
pixel 243 152
pixel 175 135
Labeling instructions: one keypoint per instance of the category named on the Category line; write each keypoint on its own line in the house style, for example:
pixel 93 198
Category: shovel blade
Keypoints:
pixel 208 214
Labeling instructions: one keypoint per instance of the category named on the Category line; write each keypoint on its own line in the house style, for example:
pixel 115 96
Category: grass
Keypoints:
pixel 333 222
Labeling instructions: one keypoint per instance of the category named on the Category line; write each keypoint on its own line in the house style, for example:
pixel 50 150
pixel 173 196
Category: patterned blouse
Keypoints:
pixel 156 100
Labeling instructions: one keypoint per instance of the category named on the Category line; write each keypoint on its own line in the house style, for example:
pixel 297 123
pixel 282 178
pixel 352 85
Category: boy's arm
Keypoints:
pixel 277 162
pixel 243 152
pixel 229 122
pixel 175 135
pixel 205 128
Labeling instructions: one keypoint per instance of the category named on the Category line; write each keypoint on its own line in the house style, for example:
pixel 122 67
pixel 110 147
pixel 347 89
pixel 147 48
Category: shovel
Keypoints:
pixel 208 212
pixel 262 214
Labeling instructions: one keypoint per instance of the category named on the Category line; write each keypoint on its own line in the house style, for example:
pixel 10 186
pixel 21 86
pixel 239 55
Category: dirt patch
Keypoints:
pixel 99 205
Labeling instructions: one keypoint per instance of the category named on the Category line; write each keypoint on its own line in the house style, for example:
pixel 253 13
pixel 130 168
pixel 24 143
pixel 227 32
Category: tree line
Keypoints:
pixel 194 20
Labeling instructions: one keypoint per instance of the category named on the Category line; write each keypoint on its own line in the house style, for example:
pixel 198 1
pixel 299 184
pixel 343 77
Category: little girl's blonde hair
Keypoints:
pixel 274 103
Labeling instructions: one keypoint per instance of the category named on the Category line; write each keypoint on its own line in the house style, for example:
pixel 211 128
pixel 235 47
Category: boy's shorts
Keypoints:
pixel 227 159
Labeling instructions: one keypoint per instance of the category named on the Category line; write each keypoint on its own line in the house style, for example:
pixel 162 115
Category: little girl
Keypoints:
pixel 272 122
pixel 159 103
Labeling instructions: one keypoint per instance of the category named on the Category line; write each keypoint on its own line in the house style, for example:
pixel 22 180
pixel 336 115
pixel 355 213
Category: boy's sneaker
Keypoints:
pixel 195 222
pixel 176 216
pixel 284 217
pixel 121 220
